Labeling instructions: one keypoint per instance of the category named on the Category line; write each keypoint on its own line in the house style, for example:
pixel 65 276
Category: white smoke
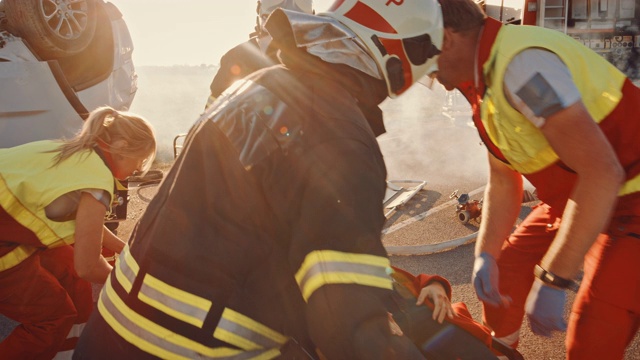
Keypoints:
pixel 430 136
pixel 424 139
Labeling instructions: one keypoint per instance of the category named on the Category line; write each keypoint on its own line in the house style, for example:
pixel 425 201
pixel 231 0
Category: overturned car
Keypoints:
pixel 59 59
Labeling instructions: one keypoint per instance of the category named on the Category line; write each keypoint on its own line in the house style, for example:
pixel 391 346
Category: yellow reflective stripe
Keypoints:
pixel 155 339
pixel 631 186
pixel 323 267
pixel 210 100
pixel 175 302
pixel 16 256
pixel 126 269
pixel 267 355
pixel 241 331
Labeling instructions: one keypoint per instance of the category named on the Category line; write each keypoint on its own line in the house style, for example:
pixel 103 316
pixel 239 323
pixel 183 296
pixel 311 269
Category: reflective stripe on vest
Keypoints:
pixel 255 340
pixel 324 267
pixel 16 256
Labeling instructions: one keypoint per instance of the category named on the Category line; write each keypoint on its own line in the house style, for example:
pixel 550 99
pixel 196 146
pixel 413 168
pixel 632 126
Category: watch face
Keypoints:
pixel 548 277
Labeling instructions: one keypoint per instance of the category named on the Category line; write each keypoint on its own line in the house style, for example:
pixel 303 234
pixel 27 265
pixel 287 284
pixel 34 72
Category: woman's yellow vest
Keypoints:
pixel 523 144
pixel 29 182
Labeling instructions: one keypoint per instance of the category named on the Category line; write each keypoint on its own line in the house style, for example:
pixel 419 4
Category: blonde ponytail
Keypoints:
pixel 107 125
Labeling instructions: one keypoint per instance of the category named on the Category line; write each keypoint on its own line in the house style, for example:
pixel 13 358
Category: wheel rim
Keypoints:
pixel 67 19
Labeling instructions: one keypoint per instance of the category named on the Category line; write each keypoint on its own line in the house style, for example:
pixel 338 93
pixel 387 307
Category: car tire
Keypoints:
pixel 52 28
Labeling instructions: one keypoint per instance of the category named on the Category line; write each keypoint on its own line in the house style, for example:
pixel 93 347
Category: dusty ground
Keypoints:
pixel 140 193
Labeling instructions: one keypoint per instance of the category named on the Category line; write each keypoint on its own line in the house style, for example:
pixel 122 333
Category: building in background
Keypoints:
pixel 609 27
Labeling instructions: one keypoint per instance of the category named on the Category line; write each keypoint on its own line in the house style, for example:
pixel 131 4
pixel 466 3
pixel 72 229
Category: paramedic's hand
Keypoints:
pixel 545 309
pixel 438 296
pixel 485 281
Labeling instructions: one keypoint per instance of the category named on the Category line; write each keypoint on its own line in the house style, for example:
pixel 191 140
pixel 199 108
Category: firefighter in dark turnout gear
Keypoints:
pixel 264 238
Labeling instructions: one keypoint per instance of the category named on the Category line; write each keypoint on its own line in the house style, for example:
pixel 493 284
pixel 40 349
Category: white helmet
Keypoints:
pixel 403 36
pixel 266 7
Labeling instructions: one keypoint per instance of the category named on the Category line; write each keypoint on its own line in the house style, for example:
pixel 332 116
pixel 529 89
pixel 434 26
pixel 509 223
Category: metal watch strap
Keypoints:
pixel 553 279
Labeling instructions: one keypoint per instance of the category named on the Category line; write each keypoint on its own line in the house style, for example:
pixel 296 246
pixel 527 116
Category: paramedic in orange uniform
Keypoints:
pixel 557 113
pixel 55 194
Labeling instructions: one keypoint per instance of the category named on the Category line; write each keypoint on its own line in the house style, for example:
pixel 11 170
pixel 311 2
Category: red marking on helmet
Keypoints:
pixel 395 47
pixel 368 17
pixel 335 5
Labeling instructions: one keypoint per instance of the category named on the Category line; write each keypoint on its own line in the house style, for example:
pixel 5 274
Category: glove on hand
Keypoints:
pixel 545 309
pixel 485 281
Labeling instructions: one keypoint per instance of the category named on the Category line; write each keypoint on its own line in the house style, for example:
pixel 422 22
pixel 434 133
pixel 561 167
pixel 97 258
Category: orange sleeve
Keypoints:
pixel 463 317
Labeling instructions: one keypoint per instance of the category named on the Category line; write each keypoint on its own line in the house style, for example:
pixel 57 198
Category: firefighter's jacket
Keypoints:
pixel 610 98
pixel 265 231
pixel 28 183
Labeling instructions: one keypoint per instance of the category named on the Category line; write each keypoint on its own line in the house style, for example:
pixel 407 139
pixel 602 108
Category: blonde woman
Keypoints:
pixel 54 194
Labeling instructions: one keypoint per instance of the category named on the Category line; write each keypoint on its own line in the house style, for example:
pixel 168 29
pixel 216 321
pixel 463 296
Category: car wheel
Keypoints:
pixel 52 28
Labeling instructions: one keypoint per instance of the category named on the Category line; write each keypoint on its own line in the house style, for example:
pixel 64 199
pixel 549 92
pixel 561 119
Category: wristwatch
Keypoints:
pixel 554 280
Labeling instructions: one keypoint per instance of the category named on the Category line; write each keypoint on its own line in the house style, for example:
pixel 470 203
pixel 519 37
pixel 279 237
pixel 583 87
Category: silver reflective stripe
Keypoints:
pixel 172 305
pixel 343 267
pixel 126 269
pixel 165 347
pixel 246 333
pixel 326 267
pixel 76 330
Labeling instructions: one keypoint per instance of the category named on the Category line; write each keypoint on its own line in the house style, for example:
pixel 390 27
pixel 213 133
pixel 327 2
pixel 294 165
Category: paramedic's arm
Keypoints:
pixel 583 147
pixel 500 208
pixel 111 241
pixel 88 262
pixel 341 265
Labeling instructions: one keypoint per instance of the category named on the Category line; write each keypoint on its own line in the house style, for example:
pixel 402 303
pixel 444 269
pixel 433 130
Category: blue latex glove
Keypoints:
pixel 545 309
pixel 485 281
